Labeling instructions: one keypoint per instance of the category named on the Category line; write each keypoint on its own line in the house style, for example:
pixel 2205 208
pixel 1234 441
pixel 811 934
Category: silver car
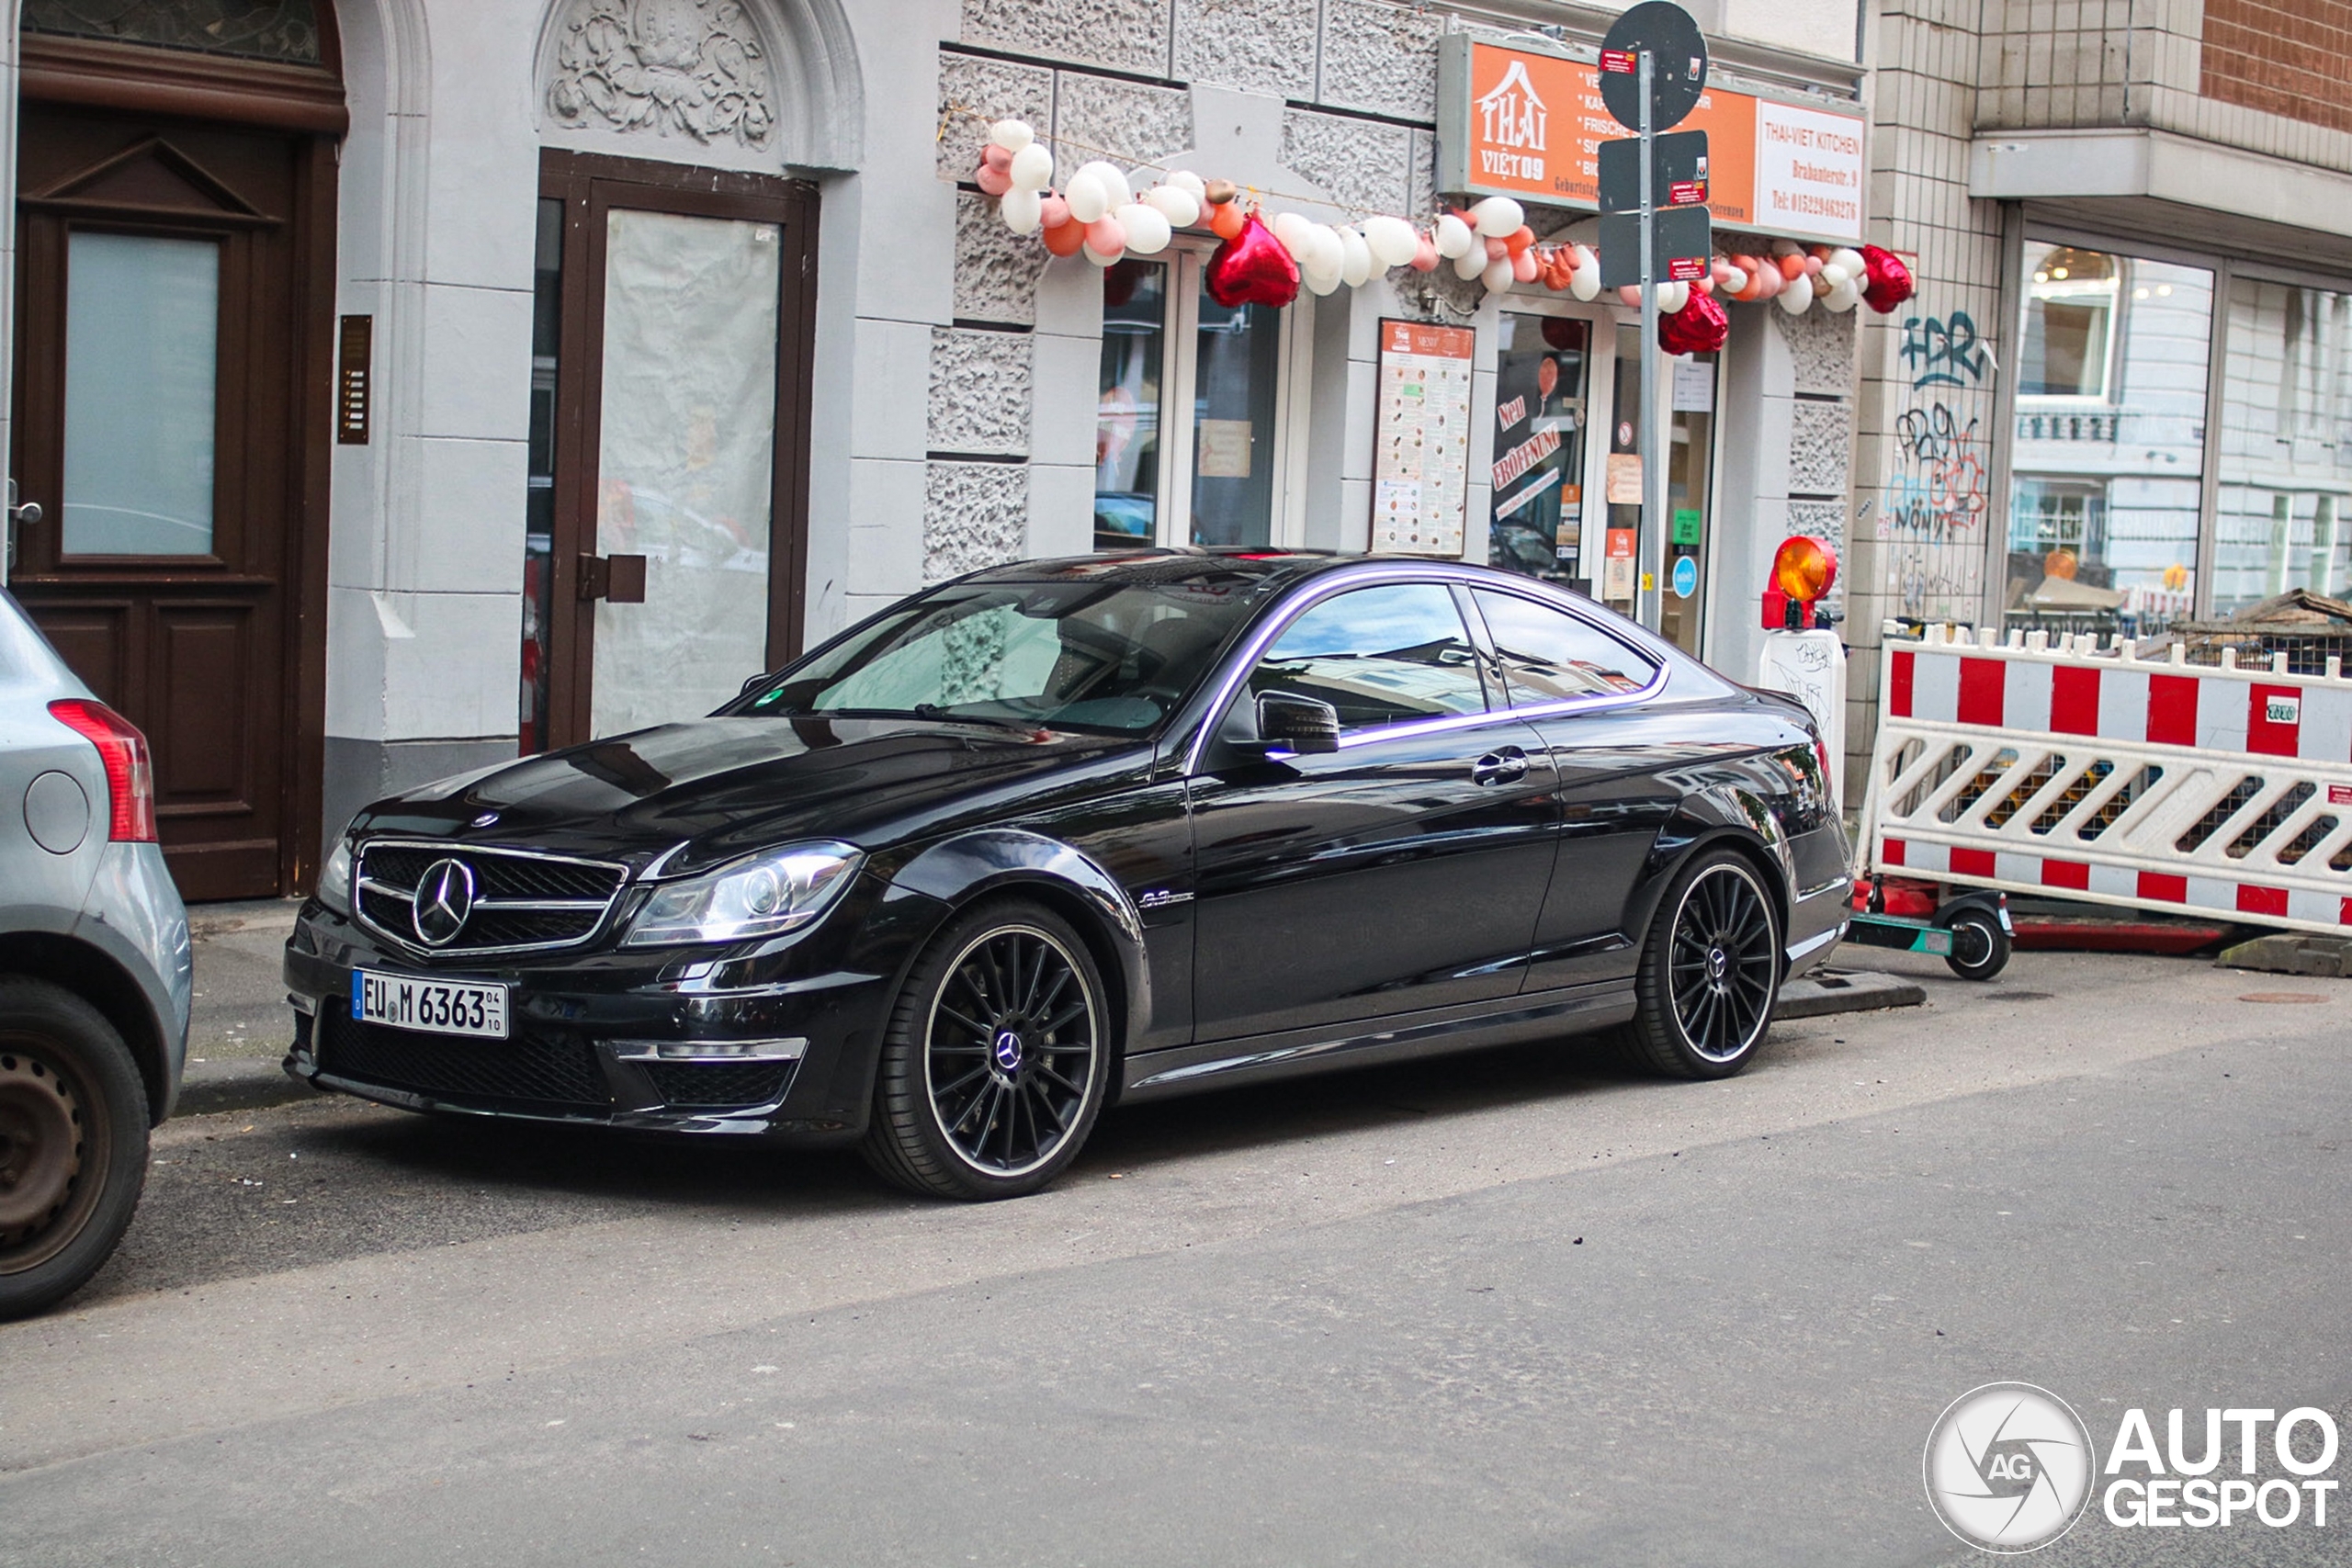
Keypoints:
pixel 94 973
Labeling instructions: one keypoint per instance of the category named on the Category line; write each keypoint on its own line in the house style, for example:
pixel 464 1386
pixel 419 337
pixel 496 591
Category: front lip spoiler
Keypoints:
pixel 752 1120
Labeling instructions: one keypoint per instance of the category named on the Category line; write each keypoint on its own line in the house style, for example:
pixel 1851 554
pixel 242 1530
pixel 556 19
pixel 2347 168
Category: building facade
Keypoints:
pixel 406 383
pixel 2119 400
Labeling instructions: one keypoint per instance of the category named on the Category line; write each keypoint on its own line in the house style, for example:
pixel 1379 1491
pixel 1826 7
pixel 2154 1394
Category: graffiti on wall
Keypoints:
pixel 1933 515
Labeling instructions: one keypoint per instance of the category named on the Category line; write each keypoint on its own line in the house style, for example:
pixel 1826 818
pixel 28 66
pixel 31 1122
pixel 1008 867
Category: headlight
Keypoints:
pixel 335 878
pixel 758 896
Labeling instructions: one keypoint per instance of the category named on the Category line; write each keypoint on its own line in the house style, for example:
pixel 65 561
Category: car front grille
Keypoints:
pixel 522 901
pixel 719 1085
pixel 540 1069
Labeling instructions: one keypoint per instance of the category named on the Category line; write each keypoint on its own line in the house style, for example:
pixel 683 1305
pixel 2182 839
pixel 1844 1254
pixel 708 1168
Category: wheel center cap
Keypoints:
pixel 1718 962
pixel 1008 1050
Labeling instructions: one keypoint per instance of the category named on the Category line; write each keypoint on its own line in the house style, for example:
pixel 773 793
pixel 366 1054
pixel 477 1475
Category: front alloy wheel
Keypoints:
pixel 996 1063
pixel 1711 972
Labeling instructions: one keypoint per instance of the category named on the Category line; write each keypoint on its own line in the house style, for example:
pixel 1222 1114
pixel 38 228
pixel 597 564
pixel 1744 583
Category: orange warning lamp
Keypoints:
pixel 1804 570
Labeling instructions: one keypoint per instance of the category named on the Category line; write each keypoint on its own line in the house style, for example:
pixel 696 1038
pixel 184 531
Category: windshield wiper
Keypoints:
pixel 941 716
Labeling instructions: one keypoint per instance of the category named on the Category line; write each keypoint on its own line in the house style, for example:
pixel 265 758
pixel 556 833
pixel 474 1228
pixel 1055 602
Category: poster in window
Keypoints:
pixel 1420 489
pixel 1536 508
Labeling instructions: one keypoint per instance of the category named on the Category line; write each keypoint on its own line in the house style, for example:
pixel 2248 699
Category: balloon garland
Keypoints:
pixel 1097 212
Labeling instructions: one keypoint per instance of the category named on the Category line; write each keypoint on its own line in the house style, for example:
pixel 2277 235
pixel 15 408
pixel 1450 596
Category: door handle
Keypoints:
pixel 1508 765
pixel 620 580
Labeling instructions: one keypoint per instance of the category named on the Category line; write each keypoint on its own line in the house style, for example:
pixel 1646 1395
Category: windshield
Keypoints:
pixel 1115 658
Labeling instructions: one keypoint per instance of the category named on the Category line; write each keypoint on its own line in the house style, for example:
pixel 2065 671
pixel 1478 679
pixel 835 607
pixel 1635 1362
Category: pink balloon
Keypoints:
pixel 1425 256
pixel 1523 267
pixel 1631 295
pixel 993 182
pixel 997 157
pixel 1702 286
pixel 1052 212
pixel 1108 237
pixel 1498 249
pixel 1813 266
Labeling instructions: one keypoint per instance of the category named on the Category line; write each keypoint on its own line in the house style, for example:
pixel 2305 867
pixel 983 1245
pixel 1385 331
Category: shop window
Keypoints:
pixel 1542 365
pixel 2286 445
pixel 2109 453
pixel 2070 309
pixel 1190 444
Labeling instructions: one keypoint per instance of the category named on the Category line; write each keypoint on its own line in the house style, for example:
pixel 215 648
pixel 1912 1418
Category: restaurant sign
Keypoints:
pixel 1527 122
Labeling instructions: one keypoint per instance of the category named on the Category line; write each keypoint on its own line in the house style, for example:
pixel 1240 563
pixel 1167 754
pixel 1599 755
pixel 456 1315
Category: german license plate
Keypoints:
pixel 432 1006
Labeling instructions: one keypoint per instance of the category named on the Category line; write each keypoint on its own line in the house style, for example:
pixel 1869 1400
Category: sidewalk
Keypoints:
pixel 240 1025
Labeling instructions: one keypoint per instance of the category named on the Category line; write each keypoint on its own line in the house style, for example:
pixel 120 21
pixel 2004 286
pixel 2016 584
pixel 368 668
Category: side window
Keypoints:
pixel 1550 656
pixel 1379 656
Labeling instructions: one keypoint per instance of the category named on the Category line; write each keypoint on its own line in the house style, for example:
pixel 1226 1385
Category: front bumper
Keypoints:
pixel 643 1040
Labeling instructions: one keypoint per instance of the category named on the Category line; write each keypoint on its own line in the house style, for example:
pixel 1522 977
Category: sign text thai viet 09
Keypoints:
pixel 1516 120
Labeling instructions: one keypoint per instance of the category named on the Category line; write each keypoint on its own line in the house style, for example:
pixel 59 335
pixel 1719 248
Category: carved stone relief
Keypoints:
pixel 693 66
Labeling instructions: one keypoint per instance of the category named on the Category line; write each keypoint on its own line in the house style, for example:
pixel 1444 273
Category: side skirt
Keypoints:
pixel 1257 1058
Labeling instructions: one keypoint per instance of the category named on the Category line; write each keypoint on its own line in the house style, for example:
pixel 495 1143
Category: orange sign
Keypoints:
pixel 1518 121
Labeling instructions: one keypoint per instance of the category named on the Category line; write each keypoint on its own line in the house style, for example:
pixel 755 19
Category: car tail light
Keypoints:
pixel 130 778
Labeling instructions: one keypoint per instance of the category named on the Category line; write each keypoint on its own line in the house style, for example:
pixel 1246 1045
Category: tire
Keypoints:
pixel 1710 974
pixel 1980 948
pixel 960 1110
pixel 73 1143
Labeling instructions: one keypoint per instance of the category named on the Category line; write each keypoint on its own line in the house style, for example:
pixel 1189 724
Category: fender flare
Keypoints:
pixel 969 866
pixel 1713 814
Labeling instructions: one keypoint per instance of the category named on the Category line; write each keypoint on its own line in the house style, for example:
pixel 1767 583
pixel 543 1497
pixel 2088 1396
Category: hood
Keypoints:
pixel 729 786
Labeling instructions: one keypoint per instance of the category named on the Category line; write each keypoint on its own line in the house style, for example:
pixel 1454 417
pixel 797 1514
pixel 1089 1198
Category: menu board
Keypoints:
pixel 1420 468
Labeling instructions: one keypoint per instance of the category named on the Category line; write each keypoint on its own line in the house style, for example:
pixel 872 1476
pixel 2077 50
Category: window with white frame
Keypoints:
pixel 2070 310
pixel 1192 435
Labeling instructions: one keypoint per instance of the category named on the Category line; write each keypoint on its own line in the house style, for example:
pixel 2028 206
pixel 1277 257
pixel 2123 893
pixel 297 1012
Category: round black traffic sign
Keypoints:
pixel 1677 69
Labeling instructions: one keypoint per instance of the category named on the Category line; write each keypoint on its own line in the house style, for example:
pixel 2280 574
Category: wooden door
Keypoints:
pixel 165 296
pixel 670 441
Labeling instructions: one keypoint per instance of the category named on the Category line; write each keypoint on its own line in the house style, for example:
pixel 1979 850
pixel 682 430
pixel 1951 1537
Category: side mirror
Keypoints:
pixel 1304 725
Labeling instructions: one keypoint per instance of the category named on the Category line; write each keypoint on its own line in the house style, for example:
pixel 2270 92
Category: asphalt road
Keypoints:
pixel 1518 1308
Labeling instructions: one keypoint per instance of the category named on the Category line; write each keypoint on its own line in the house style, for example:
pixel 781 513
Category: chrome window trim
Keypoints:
pixel 1374 574
pixel 414 948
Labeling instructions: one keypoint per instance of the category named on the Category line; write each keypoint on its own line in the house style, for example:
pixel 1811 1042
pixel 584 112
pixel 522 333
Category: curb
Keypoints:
pixel 1830 992
pixel 238 1086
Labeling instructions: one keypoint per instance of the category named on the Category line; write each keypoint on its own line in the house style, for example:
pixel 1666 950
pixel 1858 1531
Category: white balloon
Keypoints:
pixel 1584 282
pixel 1844 297
pixel 1830 275
pixel 1736 283
pixel 1356 261
pixel 1672 297
pixel 1318 281
pixel 1147 226
pixel 1191 184
pixel 1497 275
pixel 1498 216
pixel 1031 168
pixel 1330 256
pixel 1295 232
pixel 1454 241
pixel 1087 201
pixel 1797 295
pixel 1850 261
pixel 1011 135
pixel 1097 257
pixel 1115 181
pixel 1019 209
pixel 1470 264
pixel 1179 206
pixel 1391 241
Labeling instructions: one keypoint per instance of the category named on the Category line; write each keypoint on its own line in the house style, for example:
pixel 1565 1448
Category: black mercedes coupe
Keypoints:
pixel 1070 832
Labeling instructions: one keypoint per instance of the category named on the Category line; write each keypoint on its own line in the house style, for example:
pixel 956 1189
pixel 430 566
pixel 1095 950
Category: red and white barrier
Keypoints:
pixel 2035 768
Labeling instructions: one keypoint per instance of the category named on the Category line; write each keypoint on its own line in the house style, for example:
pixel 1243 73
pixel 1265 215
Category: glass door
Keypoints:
pixel 668 431
pixel 1542 365
pixel 1689 475
pixel 1191 442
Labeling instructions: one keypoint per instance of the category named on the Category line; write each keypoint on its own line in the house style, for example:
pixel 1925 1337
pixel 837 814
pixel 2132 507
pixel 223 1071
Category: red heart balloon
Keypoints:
pixel 1699 327
pixel 1888 281
pixel 1252 268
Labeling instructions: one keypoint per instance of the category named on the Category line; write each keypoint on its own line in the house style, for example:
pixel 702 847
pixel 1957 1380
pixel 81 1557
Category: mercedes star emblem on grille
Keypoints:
pixel 443 900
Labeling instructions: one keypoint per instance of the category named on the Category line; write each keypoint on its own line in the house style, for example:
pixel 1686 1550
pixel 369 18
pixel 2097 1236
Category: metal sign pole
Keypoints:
pixel 1650 556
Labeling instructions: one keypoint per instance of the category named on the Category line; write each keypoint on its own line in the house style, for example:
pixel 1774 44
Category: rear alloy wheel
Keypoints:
pixel 1711 972
pixel 997 1060
pixel 73 1143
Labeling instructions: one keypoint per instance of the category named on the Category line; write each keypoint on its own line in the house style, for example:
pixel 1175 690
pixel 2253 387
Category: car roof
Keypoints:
pixel 1232 567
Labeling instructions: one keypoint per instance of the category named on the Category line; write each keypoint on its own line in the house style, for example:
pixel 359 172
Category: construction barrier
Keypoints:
pixel 2055 768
